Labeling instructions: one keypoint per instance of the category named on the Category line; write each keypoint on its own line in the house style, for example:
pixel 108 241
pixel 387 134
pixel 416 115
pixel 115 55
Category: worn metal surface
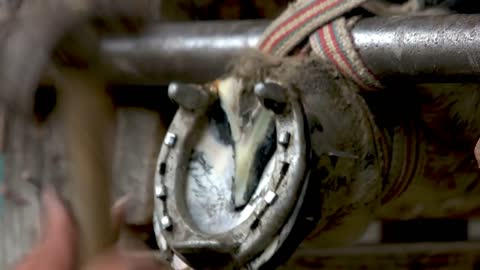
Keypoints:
pixel 420 48
pixel 186 51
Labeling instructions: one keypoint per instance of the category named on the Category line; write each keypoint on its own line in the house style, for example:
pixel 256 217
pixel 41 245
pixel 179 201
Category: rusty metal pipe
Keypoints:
pixel 419 48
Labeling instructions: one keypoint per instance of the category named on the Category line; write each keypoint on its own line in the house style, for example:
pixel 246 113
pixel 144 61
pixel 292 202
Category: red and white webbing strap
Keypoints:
pixel 329 35
pixel 333 43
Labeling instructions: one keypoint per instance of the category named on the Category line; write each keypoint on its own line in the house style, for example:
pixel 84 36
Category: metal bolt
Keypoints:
pixel 270 197
pixel 188 96
pixel 284 139
pixel 161 192
pixel 170 139
pixel 166 223
pixel 272 96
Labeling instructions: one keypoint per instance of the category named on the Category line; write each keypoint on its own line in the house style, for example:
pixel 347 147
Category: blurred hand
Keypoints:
pixel 56 249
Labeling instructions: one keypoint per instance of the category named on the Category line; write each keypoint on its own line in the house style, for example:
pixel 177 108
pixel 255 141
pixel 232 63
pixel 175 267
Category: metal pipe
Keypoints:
pixel 418 48
pixel 421 48
pixel 183 51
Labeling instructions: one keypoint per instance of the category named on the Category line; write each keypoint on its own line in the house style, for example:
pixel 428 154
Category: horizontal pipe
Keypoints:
pixel 419 48
pixel 182 51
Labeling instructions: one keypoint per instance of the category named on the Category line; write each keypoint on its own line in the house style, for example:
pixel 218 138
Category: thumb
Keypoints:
pixel 118 213
pixel 59 230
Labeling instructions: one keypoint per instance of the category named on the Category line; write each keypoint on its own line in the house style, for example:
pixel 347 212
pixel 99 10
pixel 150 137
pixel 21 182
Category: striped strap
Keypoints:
pixel 300 20
pixel 333 43
pixel 330 37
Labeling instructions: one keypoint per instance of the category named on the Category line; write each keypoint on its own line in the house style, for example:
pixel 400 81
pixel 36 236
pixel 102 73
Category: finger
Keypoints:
pixel 56 249
pixel 57 223
pixel 128 237
pixel 119 209
pixel 59 232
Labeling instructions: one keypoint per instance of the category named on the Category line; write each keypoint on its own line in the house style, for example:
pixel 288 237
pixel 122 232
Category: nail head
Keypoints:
pixel 270 197
pixel 284 139
pixel 161 192
pixel 170 139
pixel 166 223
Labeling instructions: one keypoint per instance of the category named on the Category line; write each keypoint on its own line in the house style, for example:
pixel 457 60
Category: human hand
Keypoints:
pixel 56 249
